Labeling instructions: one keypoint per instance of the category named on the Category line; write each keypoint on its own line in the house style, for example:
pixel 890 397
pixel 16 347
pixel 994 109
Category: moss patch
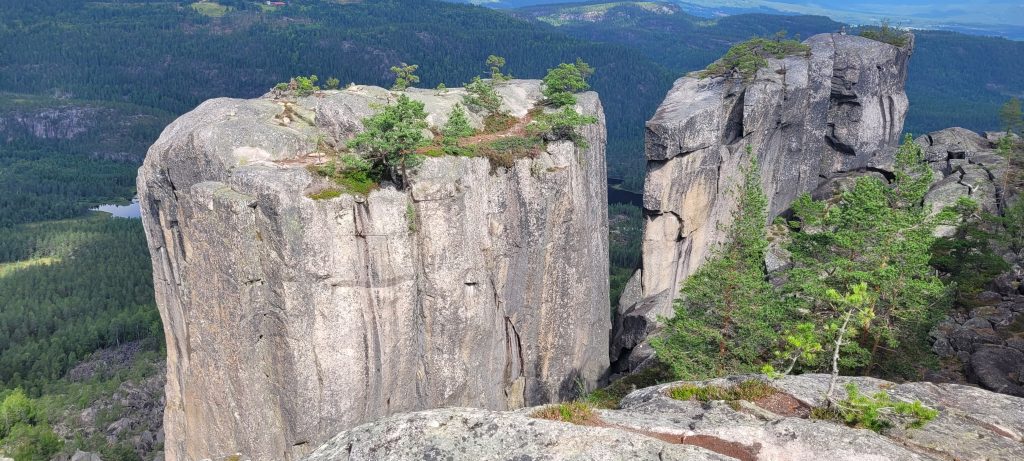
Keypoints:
pixel 326 194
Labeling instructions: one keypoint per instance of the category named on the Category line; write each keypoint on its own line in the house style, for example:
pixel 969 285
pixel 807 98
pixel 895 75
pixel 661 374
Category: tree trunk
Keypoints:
pixel 835 358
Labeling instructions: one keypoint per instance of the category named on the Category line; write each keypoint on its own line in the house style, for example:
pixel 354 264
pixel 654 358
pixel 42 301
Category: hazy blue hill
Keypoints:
pixel 1001 18
pixel 664 32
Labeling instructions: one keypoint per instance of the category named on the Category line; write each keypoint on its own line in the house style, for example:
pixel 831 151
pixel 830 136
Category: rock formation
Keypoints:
pixel 971 424
pixel 808 118
pixel 289 319
pixel 965 165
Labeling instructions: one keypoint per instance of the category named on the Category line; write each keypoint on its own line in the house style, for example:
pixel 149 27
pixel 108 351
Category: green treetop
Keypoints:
pixel 1010 115
pixel 393 136
pixel 880 235
pixel 457 126
pixel 561 82
pixel 405 76
pixel 727 318
pixel 494 65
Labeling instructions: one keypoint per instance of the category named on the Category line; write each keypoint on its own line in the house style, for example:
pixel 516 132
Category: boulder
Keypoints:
pixel 1000 369
pixel 85 456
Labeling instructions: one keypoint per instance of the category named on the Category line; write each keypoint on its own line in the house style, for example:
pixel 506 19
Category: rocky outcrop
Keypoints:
pixel 289 319
pixel 104 131
pixel 965 165
pixel 65 122
pixel 129 416
pixel 807 118
pixel 971 424
pixel 984 345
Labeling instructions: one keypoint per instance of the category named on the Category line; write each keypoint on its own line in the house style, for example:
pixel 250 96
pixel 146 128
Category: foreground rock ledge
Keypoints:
pixel 290 319
pixel 973 424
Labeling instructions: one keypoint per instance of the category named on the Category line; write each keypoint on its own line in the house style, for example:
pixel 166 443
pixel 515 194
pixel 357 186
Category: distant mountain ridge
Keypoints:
pixel 999 18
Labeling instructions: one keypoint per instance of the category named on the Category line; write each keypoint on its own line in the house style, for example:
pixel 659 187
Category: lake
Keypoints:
pixel 130 211
pixel 616 195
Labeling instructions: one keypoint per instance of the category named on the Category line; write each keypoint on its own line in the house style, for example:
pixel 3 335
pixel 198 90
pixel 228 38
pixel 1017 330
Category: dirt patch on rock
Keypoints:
pixel 783 404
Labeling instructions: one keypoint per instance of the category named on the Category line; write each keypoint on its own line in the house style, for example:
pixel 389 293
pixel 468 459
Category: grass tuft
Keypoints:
pixel 610 395
pixel 569 412
pixel 747 390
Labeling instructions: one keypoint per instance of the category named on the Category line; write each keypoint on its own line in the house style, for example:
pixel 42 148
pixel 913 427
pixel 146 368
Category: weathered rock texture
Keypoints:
pixel 964 165
pixel 807 118
pixel 289 319
pixel 984 345
pixel 972 424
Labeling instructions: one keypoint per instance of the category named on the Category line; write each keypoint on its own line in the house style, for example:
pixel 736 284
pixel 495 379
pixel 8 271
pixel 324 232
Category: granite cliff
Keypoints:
pixel 809 118
pixel 289 319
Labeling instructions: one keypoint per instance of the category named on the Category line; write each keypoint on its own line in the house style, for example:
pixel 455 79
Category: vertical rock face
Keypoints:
pixel 289 319
pixel 806 118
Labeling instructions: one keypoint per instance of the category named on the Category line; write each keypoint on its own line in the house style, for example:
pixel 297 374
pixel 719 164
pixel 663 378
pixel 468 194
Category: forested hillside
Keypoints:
pixel 954 80
pixel 169 56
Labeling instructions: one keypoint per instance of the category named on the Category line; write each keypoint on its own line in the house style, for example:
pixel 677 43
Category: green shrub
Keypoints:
pixel 482 97
pixel 886 34
pixel 23 434
pixel 354 173
pixel 561 125
pixel 392 137
pixel 748 57
pixel 305 86
pixel 503 152
pixel 876 412
pixel 16 409
pixel 299 86
pixel 498 122
pixel 561 82
pixel 749 390
pixel 32 442
pixel 457 127
pixel 610 396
